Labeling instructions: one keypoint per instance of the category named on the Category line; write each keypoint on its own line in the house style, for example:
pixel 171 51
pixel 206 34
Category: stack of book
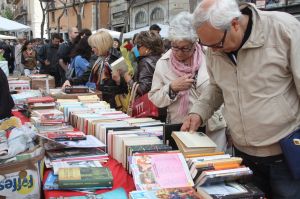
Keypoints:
pixel 78 167
pixel 36 103
pixel 47 117
pixel 222 176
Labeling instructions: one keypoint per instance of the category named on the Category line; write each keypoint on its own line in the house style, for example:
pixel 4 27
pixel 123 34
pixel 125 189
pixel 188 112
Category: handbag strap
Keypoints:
pixel 132 94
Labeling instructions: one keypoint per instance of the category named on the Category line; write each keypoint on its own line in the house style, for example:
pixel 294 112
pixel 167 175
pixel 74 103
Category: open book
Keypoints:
pixel 193 143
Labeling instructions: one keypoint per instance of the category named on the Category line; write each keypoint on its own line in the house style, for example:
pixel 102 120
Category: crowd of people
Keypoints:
pixel 223 59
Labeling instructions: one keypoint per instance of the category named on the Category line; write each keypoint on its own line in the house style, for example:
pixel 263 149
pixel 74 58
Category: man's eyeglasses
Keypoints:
pixel 184 49
pixel 220 44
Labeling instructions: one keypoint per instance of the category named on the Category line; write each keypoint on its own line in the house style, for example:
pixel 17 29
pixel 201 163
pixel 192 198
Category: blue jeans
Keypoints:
pixel 272 176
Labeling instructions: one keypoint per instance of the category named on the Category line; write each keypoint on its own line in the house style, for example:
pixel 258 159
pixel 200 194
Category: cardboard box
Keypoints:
pixel 38 81
pixel 22 179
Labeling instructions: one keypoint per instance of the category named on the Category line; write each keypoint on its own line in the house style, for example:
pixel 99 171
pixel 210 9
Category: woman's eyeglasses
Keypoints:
pixel 183 49
pixel 220 44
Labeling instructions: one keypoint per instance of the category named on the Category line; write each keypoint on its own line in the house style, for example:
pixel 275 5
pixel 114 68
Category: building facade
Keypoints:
pixel 64 14
pixel 118 12
pixel 28 13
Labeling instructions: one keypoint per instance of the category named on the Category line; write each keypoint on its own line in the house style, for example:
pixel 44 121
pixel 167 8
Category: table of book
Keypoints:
pixel 120 175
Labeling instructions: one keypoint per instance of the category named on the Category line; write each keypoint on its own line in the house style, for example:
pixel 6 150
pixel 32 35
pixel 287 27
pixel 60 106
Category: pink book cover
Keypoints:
pixel 167 170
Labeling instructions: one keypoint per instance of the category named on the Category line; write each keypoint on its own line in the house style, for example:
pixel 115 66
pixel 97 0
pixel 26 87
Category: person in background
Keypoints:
pixel 19 67
pixel 83 33
pixel 253 63
pixel 80 57
pixel 1 55
pixel 147 51
pixel 6 101
pixel 47 56
pixel 63 53
pixel 29 57
pixel 101 73
pixel 155 28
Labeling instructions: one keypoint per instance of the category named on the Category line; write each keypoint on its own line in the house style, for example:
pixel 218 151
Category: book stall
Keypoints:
pixel 68 144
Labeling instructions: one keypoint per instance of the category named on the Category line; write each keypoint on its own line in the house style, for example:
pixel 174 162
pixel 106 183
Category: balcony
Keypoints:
pixel 20 11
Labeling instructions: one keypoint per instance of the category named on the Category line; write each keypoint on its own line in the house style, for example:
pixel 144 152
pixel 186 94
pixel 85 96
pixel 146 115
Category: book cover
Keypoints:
pixel 64 136
pixel 178 193
pixel 33 100
pixel 225 175
pixel 230 190
pixel 155 171
pixel 73 152
pixel 84 177
pixel 72 164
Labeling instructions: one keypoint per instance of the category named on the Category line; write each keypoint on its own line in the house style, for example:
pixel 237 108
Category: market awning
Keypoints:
pixel 9 25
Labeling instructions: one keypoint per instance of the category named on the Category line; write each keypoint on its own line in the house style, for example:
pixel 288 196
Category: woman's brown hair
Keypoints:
pixel 150 40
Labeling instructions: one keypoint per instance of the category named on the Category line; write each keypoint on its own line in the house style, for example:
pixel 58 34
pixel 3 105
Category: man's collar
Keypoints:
pixel 257 38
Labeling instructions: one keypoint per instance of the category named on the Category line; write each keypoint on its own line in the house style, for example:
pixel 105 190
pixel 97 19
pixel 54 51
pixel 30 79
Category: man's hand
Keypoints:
pixel 67 83
pixel 191 123
pixel 47 63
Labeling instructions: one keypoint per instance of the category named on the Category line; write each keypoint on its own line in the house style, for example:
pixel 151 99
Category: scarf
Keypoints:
pixel 181 69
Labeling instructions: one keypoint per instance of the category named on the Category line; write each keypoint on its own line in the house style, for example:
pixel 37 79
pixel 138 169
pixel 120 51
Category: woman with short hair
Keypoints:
pixel 101 73
pixel 147 50
pixel 181 76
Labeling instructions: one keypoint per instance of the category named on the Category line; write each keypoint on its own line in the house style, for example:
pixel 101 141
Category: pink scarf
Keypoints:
pixel 181 69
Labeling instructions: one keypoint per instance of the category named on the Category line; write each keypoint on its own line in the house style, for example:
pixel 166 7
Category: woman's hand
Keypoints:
pixel 182 83
pixel 127 77
pixel 67 83
pixel 116 76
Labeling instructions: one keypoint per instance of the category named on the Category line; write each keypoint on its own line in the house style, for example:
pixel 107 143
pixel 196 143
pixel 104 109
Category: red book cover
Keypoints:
pixel 66 136
pixel 33 100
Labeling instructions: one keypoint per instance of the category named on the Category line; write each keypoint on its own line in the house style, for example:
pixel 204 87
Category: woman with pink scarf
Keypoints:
pixel 180 75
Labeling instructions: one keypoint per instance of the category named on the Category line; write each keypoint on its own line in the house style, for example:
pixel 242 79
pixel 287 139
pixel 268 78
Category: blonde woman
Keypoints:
pixel 101 73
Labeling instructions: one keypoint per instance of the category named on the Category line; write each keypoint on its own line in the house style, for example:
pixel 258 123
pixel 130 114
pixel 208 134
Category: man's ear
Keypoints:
pixel 235 23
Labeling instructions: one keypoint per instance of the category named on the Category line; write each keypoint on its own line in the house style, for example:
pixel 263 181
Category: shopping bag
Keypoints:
pixel 141 106
pixel 290 146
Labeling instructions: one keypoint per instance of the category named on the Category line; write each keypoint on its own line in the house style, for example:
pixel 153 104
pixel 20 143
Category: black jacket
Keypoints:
pixel 48 52
pixel 144 73
pixel 6 101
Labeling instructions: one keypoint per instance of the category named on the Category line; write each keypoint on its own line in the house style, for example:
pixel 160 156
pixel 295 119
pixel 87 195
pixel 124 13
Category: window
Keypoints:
pixel 157 15
pixel 140 19
pixel 53 16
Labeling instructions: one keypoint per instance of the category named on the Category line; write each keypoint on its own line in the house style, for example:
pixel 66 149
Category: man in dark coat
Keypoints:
pixel 6 101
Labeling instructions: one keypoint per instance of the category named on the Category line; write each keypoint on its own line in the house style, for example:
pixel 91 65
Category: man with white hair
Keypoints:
pixel 253 63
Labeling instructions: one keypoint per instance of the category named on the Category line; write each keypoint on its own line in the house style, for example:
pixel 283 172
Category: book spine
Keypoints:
pixel 85 183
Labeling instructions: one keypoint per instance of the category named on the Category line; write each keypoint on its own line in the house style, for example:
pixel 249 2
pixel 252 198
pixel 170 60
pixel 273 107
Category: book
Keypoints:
pixel 119 65
pixel 160 170
pixel 193 143
pixel 66 136
pixel 88 98
pixel 76 89
pixel 230 190
pixel 33 100
pixel 180 193
pixel 51 183
pixel 85 177
pixel 167 132
pixel 225 175
pixel 72 164
pixel 69 153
